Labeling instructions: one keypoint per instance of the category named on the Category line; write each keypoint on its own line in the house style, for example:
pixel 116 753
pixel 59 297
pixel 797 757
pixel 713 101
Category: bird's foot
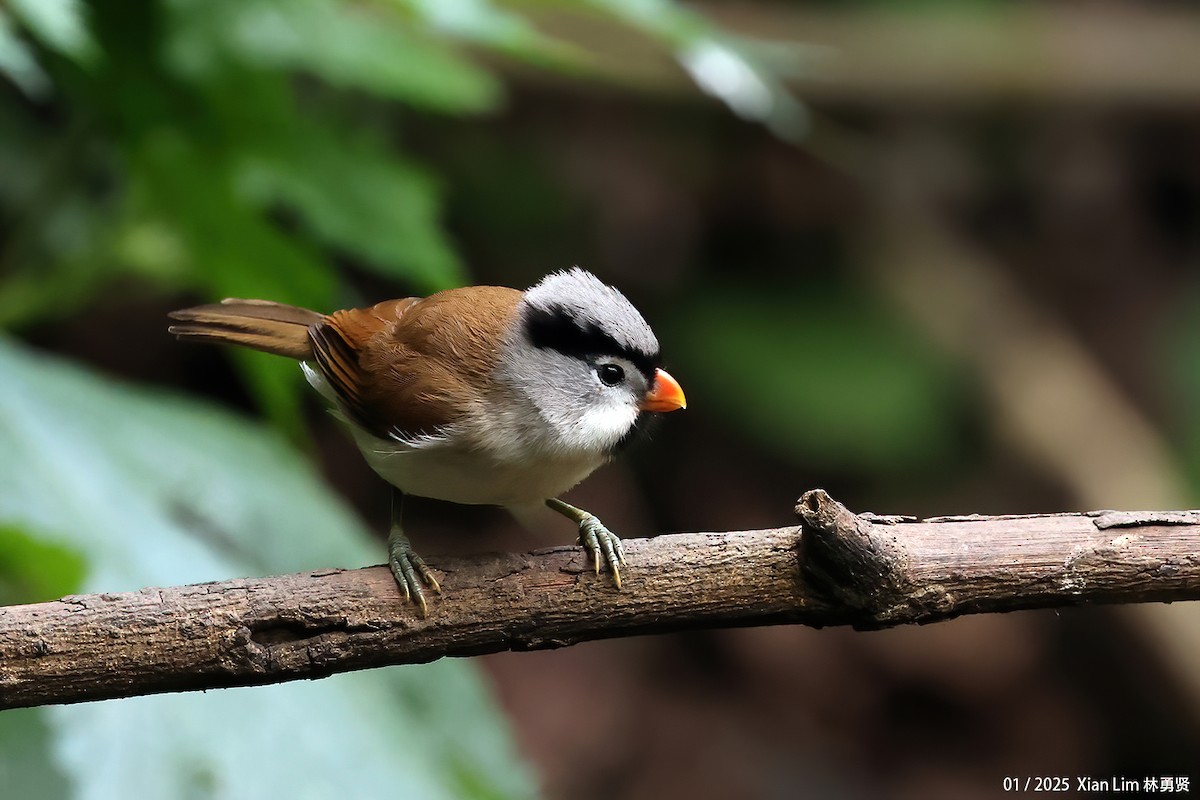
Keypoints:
pixel 603 545
pixel 410 569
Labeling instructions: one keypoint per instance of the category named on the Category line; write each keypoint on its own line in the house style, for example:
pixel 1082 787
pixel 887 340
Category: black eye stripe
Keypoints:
pixel 555 329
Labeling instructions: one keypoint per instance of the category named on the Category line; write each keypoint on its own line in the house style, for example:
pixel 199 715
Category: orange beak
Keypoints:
pixel 665 395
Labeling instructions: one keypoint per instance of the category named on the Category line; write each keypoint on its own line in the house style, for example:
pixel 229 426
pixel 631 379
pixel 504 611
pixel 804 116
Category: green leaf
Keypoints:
pixel 1178 362
pixel 58 24
pixel 159 490
pixel 27 770
pixel 232 250
pixel 359 198
pixel 817 375
pixel 33 570
pixel 56 230
pixel 18 63
pixel 483 23
pixel 364 46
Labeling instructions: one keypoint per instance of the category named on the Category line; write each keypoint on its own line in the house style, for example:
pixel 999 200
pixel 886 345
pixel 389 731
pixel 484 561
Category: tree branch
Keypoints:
pixel 839 568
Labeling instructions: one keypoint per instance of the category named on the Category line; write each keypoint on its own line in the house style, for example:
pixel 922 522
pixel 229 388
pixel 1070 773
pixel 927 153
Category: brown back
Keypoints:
pixel 413 365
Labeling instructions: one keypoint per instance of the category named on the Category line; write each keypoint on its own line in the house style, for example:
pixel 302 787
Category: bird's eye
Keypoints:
pixel 610 374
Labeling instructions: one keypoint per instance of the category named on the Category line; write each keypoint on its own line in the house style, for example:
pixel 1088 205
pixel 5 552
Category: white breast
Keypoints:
pixel 510 461
pixel 439 469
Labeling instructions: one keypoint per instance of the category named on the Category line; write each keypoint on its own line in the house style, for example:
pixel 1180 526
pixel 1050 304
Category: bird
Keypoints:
pixel 479 395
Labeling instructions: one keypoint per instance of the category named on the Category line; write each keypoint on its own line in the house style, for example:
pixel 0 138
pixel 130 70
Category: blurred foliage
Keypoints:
pixel 745 74
pixel 238 148
pixel 178 136
pixel 146 488
pixel 816 373
pixel 27 768
pixel 1177 351
pixel 33 569
pixel 263 148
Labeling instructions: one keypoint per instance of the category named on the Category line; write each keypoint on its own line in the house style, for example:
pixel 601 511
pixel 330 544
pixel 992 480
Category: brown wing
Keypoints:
pixel 409 367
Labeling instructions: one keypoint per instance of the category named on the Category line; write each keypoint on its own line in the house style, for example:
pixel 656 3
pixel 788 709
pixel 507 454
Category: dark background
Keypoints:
pixel 966 284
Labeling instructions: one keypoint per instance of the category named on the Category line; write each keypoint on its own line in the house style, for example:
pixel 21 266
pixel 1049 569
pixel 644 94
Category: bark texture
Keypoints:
pixel 837 568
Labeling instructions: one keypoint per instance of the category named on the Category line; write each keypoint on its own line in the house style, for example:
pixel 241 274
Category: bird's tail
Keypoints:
pixel 257 324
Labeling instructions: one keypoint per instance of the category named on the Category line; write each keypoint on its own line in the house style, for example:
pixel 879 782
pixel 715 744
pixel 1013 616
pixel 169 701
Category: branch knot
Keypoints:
pixel 848 558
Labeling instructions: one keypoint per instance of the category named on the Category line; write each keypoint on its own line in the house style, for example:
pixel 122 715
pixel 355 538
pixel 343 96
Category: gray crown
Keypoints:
pixel 576 313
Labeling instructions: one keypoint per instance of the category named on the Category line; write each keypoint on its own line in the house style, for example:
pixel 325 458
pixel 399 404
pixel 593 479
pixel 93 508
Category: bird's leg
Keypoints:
pixel 405 563
pixel 593 535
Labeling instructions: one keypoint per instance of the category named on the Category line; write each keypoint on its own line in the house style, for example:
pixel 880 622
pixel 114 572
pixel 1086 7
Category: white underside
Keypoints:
pixel 441 467
pixel 440 470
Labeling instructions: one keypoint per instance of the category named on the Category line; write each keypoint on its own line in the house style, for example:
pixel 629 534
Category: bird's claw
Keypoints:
pixel 604 545
pixel 410 571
